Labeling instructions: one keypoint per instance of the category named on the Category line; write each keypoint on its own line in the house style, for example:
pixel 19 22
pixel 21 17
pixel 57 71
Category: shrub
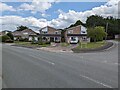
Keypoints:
pixel 47 42
pixel 24 40
pixel 5 38
pixel 43 43
pixel 10 35
pixel 34 42
pixel 9 41
pixel 0 38
pixel 97 33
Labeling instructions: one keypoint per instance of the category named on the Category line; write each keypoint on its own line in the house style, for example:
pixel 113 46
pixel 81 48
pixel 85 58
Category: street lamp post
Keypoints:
pixel 106 30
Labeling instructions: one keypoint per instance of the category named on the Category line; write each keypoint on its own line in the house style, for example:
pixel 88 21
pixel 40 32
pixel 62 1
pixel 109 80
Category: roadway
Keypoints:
pixel 30 68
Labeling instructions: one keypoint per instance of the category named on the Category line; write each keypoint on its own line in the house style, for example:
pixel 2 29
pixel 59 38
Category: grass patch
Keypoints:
pixel 29 44
pixel 64 44
pixel 91 45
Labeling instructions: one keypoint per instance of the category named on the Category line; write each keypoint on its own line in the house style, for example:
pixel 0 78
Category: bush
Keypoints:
pixel 0 38
pixel 96 34
pixel 5 38
pixel 24 40
pixel 47 42
pixel 34 42
pixel 10 35
pixel 9 41
pixel 43 43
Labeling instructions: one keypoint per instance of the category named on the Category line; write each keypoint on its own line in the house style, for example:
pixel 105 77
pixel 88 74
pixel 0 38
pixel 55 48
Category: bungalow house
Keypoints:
pixel 25 34
pixel 76 34
pixel 50 34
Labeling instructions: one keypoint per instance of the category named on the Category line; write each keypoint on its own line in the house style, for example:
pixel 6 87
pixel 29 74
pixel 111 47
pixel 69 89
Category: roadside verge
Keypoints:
pixel 102 48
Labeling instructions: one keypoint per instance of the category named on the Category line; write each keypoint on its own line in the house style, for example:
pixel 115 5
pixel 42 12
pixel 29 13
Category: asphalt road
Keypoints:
pixel 29 68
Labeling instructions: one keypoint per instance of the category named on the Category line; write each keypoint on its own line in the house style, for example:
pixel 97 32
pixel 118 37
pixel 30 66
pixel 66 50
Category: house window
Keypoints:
pixel 56 32
pixel 83 31
pixel 25 33
pixel 44 32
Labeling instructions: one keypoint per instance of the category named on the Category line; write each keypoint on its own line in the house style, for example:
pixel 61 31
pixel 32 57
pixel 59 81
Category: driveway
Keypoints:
pixel 59 48
pixel 29 68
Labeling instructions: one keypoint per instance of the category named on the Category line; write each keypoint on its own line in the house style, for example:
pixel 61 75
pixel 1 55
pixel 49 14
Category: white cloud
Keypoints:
pixel 5 7
pixel 36 6
pixel 11 22
pixel 64 19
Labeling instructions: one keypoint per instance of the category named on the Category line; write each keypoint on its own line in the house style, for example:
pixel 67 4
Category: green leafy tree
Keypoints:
pixel 113 24
pixel 63 35
pixel 97 33
pixel 10 35
pixel 0 38
pixel 5 38
pixel 21 28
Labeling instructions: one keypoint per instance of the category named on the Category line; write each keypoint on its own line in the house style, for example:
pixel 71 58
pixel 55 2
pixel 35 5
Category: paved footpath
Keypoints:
pixel 0 65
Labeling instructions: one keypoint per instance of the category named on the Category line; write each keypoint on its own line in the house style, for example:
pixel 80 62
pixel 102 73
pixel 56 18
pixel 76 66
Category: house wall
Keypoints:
pixel 53 31
pixel 74 30
pixel 83 30
pixel 27 33
pixel 31 38
pixel 80 38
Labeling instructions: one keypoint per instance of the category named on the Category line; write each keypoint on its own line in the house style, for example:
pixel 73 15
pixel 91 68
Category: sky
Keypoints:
pixel 57 14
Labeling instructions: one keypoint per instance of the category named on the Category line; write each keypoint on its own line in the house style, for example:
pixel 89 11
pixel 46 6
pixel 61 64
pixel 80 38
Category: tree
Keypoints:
pixel 97 33
pixel 5 38
pixel 10 35
pixel 63 35
pixel 21 28
pixel 113 24
pixel 94 21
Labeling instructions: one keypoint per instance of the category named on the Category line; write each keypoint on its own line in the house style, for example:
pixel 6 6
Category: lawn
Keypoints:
pixel 29 44
pixel 91 45
pixel 64 44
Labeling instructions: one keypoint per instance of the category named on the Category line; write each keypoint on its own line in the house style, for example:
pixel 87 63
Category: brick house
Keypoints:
pixel 50 34
pixel 27 33
pixel 76 34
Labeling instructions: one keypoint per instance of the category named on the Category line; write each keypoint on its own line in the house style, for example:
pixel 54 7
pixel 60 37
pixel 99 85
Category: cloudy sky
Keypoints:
pixel 58 14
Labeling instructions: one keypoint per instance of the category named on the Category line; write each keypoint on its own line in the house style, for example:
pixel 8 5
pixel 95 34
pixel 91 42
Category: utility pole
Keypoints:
pixel 106 30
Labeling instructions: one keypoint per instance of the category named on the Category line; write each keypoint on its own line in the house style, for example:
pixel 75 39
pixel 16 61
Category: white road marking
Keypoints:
pixel 95 81
pixel 44 60
pixel 116 63
pixel 49 62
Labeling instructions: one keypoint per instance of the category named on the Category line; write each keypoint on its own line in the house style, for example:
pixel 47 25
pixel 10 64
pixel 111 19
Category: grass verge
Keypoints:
pixel 29 44
pixel 64 44
pixel 91 45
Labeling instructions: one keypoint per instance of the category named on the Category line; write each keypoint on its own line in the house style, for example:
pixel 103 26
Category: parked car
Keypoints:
pixel 74 40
